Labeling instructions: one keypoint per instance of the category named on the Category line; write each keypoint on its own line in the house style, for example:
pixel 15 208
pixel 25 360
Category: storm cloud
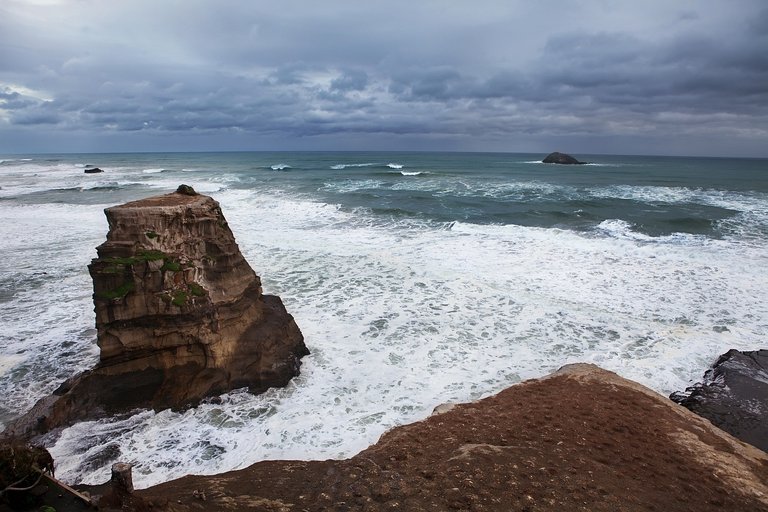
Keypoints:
pixel 587 76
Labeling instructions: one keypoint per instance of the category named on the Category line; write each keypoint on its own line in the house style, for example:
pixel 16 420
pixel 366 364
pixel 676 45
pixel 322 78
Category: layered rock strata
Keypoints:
pixel 734 396
pixel 581 439
pixel 180 316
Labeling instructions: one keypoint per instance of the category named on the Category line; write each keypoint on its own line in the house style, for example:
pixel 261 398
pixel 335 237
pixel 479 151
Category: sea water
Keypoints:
pixel 416 278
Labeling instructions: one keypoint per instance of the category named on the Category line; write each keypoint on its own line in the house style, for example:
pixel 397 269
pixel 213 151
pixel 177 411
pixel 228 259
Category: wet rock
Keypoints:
pixel 734 396
pixel 92 170
pixel 102 457
pixel 186 190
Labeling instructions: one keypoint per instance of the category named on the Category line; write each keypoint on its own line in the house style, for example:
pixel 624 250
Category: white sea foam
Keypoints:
pixel 749 224
pixel 460 187
pixel 47 327
pixel 395 166
pixel 396 327
pixel 671 195
pixel 399 315
pixel 347 186
pixel 410 173
pixel 621 229
pixel 8 361
pixel 29 178
pixel 279 167
pixel 152 171
pixel 344 166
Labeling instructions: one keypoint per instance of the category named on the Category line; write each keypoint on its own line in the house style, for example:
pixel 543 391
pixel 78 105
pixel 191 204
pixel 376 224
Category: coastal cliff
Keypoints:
pixel 580 439
pixel 180 316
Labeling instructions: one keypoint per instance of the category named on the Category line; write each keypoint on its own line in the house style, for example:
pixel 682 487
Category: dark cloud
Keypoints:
pixel 427 75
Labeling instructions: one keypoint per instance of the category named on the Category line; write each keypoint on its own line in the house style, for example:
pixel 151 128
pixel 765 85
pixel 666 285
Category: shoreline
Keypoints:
pixel 581 438
pixel 443 322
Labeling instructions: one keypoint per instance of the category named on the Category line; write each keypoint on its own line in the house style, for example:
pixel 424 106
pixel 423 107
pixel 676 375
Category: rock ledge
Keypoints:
pixel 734 396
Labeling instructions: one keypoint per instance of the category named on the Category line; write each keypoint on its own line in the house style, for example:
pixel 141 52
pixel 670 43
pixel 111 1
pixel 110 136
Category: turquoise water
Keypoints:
pixel 653 195
pixel 416 278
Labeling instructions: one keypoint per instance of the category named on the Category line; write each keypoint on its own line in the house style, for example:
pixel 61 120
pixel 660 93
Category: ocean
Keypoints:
pixel 416 278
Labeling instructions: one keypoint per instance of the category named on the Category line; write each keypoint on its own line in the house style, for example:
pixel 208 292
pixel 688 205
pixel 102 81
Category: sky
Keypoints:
pixel 680 77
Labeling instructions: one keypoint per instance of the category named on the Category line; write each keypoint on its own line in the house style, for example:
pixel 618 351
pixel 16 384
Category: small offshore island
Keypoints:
pixel 181 316
pixel 561 158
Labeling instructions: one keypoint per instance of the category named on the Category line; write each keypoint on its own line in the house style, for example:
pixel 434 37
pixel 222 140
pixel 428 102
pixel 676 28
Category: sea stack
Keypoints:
pixel 561 158
pixel 180 316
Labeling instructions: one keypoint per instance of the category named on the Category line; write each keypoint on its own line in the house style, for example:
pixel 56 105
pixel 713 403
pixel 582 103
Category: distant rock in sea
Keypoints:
pixel 734 396
pixel 580 439
pixel 92 170
pixel 561 158
pixel 180 316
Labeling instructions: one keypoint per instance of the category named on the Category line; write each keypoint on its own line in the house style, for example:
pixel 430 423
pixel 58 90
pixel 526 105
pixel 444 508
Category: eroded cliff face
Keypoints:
pixel 180 316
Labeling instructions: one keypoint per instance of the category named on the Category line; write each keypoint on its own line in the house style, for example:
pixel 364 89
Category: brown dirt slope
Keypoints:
pixel 581 439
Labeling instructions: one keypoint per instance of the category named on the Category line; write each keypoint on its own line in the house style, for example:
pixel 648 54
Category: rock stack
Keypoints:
pixel 180 316
pixel 561 158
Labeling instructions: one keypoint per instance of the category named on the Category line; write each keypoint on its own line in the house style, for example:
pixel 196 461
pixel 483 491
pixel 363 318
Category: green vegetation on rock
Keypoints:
pixel 179 298
pixel 169 265
pixel 141 257
pixel 119 292
pixel 117 264
pixel 151 255
pixel 196 290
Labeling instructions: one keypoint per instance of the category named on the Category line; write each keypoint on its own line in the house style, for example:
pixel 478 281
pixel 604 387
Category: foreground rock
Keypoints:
pixel 180 316
pixel 582 439
pixel 561 158
pixel 734 396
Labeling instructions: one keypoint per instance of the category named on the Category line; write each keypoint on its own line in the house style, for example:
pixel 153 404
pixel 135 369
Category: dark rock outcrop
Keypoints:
pixel 180 316
pixel 92 170
pixel 734 396
pixel 561 158
pixel 581 439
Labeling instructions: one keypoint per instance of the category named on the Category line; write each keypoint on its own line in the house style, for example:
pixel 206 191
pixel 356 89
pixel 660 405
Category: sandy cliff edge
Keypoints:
pixel 580 439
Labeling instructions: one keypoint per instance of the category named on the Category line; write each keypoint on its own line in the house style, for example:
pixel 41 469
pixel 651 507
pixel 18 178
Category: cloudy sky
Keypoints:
pixel 681 77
